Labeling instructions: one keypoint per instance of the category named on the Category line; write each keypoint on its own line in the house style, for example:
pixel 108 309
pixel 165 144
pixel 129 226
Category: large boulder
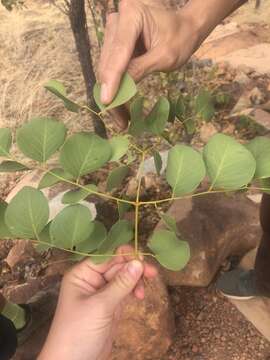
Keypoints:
pixel 147 327
pixel 216 227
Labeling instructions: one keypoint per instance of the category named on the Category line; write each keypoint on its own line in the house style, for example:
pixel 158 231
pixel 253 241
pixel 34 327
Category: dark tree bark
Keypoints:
pixel 79 28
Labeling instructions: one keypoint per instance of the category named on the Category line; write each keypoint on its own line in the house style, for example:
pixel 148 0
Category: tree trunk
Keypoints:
pixel 79 28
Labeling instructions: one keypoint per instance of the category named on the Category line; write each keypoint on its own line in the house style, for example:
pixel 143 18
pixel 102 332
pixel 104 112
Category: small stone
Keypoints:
pixel 245 69
pixel 243 103
pixel 262 118
pixel 195 349
pixel 257 97
pixel 207 131
pixel 229 130
pixel 21 251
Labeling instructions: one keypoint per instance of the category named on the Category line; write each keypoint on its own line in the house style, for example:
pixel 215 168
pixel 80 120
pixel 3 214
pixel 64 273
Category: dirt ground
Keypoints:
pixel 36 45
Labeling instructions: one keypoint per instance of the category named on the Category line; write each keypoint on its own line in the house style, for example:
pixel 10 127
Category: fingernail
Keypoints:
pixel 135 268
pixel 104 93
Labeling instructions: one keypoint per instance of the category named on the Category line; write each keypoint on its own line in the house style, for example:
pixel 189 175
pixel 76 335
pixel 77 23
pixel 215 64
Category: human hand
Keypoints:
pixel 142 38
pixel 90 304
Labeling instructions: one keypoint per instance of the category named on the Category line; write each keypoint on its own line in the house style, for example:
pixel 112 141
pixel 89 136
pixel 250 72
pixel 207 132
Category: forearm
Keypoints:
pixel 207 14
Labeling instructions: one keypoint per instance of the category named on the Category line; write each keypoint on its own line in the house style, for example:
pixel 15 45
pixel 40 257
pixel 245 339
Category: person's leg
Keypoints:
pixel 262 264
pixel 240 284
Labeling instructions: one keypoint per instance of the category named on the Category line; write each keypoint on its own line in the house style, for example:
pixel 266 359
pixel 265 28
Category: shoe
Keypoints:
pixel 39 310
pixel 238 284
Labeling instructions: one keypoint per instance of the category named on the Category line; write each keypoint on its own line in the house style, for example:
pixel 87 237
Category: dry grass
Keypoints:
pixel 37 45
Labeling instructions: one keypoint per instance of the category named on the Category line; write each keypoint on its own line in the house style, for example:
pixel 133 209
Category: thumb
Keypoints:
pixel 123 284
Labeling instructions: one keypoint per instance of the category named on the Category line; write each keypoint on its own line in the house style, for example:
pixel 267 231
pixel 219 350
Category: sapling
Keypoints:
pixel 224 163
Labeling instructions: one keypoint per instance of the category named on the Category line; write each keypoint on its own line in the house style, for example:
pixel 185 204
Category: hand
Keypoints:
pixel 142 38
pixel 89 305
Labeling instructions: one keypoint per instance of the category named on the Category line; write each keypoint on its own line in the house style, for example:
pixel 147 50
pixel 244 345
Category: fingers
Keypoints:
pixel 123 284
pixel 120 44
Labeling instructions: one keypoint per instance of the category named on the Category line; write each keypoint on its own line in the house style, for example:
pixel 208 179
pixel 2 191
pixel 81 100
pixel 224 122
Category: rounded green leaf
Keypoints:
pixel 185 169
pixel 116 177
pixel 137 123
pixel 59 90
pixel 119 145
pixel 127 90
pixel 229 164
pixel 53 177
pixel 170 222
pixel 172 253
pixel 12 166
pixel 71 226
pixel 4 230
pixel 27 213
pixel 93 242
pixel 157 119
pixel 5 141
pixel 75 196
pixel 84 153
pixel 260 149
pixel 120 233
pixel 123 208
pixel 40 138
pixel 204 105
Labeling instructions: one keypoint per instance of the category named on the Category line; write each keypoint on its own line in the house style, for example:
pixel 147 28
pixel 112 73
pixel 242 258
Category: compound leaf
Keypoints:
pixel 40 138
pixel 27 213
pixel 185 169
pixel 84 153
pixel 172 253
pixel 229 164
pixel 126 91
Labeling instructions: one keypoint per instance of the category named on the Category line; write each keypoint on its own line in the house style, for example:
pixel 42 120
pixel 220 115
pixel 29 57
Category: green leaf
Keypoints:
pixel 5 141
pixel 260 149
pixel 265 185
pixel 123 208
pixel 84 153
pixel 230 166
pixel 204 105
pixel 170 252
pixel 53 177
pixel 116 177
pixel 44 236
pixel 40 138
pixel 170 222
pixel 98 235
pixel 119 145
pixel 185 169
pixel 180 107
pixel 71 226
pixel 157 119
pixel 75 196
pixel 4 230
pixel 126 91
pixel 190 126
pixel 12 166
pixel 121 233
pixel 158 162
pixel 137 123
pixel 58 89
pixel 27 213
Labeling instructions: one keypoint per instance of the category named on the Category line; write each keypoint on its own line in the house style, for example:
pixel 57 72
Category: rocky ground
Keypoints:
pixel 208 327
